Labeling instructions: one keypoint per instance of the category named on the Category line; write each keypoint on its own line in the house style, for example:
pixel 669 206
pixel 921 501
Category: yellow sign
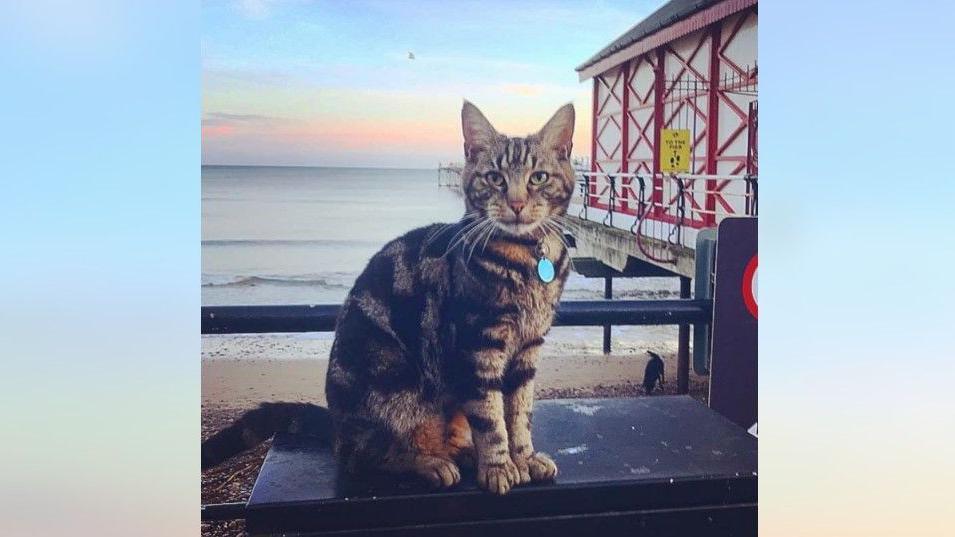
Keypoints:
pixel 675 150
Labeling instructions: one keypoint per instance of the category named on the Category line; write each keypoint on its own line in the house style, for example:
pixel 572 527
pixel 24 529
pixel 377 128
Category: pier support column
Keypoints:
pixel 683 350
pixel 608 294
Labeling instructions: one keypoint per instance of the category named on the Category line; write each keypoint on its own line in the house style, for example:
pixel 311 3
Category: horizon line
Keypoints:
pixel 203 165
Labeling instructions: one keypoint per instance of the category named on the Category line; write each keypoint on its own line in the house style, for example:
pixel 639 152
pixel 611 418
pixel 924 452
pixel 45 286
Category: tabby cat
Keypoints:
pixel 434 356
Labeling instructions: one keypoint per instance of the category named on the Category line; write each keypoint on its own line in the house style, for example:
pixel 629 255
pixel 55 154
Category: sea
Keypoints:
pixel 301 235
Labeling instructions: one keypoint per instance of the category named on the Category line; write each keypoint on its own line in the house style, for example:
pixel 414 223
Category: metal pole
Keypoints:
pixel 321 317
pixel 683 350
pixel 608 294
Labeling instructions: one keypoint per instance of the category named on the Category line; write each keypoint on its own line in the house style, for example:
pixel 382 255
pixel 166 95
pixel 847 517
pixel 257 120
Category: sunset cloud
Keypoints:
pixel 328 83
pixel 524 90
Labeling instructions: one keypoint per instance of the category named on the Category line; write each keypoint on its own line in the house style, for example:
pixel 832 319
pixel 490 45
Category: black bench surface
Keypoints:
pixel 662 465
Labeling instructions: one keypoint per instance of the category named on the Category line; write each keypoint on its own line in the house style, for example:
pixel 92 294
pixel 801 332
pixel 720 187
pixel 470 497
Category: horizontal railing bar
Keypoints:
pixel 633 203
pixel 739 177
pixel 621 197
pixel 633 312
pixel 321 318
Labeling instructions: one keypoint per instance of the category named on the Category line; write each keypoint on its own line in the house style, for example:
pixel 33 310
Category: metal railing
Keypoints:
pixel 321 317
pixel 449 174
pixel 664 210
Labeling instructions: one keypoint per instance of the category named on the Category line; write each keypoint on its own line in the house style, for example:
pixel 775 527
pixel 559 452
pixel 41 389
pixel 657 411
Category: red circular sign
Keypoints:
pixel 749 286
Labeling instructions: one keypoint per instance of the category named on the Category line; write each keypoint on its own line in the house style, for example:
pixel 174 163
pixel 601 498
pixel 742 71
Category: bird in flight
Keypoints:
pixel 410 55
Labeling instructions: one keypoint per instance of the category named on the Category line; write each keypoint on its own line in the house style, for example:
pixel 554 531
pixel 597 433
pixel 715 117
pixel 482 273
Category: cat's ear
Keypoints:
pixel 478 131
pixel 558 133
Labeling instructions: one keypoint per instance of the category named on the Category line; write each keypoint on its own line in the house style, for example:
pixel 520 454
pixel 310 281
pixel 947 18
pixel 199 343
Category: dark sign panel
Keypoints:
pixel 734 349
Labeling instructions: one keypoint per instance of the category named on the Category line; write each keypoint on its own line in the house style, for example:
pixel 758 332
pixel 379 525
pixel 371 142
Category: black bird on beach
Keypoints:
pixel 653 373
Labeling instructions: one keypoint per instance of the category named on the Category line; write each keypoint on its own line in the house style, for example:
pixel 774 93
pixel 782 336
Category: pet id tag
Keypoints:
pixel 545 267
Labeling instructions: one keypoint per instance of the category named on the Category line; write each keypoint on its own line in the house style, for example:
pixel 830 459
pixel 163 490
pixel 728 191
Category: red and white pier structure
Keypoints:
pixel 691 66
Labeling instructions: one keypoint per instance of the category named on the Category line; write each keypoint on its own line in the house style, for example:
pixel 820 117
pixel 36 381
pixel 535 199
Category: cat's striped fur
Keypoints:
pixel 434 356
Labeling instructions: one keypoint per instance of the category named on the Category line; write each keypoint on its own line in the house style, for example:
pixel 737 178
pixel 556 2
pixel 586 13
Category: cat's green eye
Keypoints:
pixel 539 178
pixel 494 178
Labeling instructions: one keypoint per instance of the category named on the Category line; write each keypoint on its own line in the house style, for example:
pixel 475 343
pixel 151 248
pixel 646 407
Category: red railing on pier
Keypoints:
pixel 664 210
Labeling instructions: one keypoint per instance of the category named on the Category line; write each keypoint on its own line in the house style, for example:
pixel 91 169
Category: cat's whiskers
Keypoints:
pixel 555 228
pixel 488 238
pixel 561 222
pixel 472 232
pixel 484 229
pixel 462 234
pixel 441 230
pixel 561 219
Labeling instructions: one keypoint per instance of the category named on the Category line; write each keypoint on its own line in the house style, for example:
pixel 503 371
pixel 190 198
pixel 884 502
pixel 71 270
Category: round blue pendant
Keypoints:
pixel 545 270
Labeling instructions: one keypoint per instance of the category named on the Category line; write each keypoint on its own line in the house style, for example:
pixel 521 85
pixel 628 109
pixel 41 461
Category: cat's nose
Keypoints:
pixel 517 205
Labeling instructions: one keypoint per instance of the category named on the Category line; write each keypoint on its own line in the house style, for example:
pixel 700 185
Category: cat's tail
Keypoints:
pixel 259 424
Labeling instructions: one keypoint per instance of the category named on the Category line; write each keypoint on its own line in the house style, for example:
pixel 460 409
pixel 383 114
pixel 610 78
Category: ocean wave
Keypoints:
pixel 252 281
pixel 344 281
pixel 588 293
pixel 288 242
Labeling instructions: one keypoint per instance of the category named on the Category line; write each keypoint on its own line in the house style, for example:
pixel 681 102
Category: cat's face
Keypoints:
pixel 518 183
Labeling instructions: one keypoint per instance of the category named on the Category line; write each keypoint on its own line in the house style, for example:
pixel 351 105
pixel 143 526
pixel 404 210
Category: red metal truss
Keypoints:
pixel 752 147
pixel 637 133
pixel 637 102
pixel 609 88
pixel 743 74
pixel 627 139
pixel 712 142
pixel 678 97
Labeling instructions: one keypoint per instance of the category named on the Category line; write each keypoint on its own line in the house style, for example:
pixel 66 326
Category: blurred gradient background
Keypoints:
pixel 99 167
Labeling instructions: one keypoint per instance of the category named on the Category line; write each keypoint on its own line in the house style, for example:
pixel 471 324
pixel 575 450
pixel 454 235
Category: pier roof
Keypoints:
pixel 667 15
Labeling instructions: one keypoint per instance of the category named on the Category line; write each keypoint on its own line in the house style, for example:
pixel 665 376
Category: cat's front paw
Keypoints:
pixel 438 472
pixel 498 478
pixel 535 467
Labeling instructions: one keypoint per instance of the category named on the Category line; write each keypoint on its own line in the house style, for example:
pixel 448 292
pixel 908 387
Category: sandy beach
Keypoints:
pixel 239 372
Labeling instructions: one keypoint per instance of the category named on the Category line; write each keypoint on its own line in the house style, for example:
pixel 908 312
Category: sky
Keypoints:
pixel 331 84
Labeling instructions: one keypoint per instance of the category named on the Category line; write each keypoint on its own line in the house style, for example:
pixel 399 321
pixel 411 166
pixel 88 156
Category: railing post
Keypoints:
pixel 641 200
pixel 586 187
pixel 683 349
pixel 752 196
pixel 680 211
pixel 608 294
pixel 611 201
pixel 752 148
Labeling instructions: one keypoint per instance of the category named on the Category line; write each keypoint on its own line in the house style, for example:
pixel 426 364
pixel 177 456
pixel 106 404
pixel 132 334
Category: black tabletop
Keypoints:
pixel 651 453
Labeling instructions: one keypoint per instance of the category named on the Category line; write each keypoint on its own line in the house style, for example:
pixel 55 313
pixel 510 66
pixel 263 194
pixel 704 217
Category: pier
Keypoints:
pixel 633 226
pixel 626 225
pixel 673 151
pixel 449 175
